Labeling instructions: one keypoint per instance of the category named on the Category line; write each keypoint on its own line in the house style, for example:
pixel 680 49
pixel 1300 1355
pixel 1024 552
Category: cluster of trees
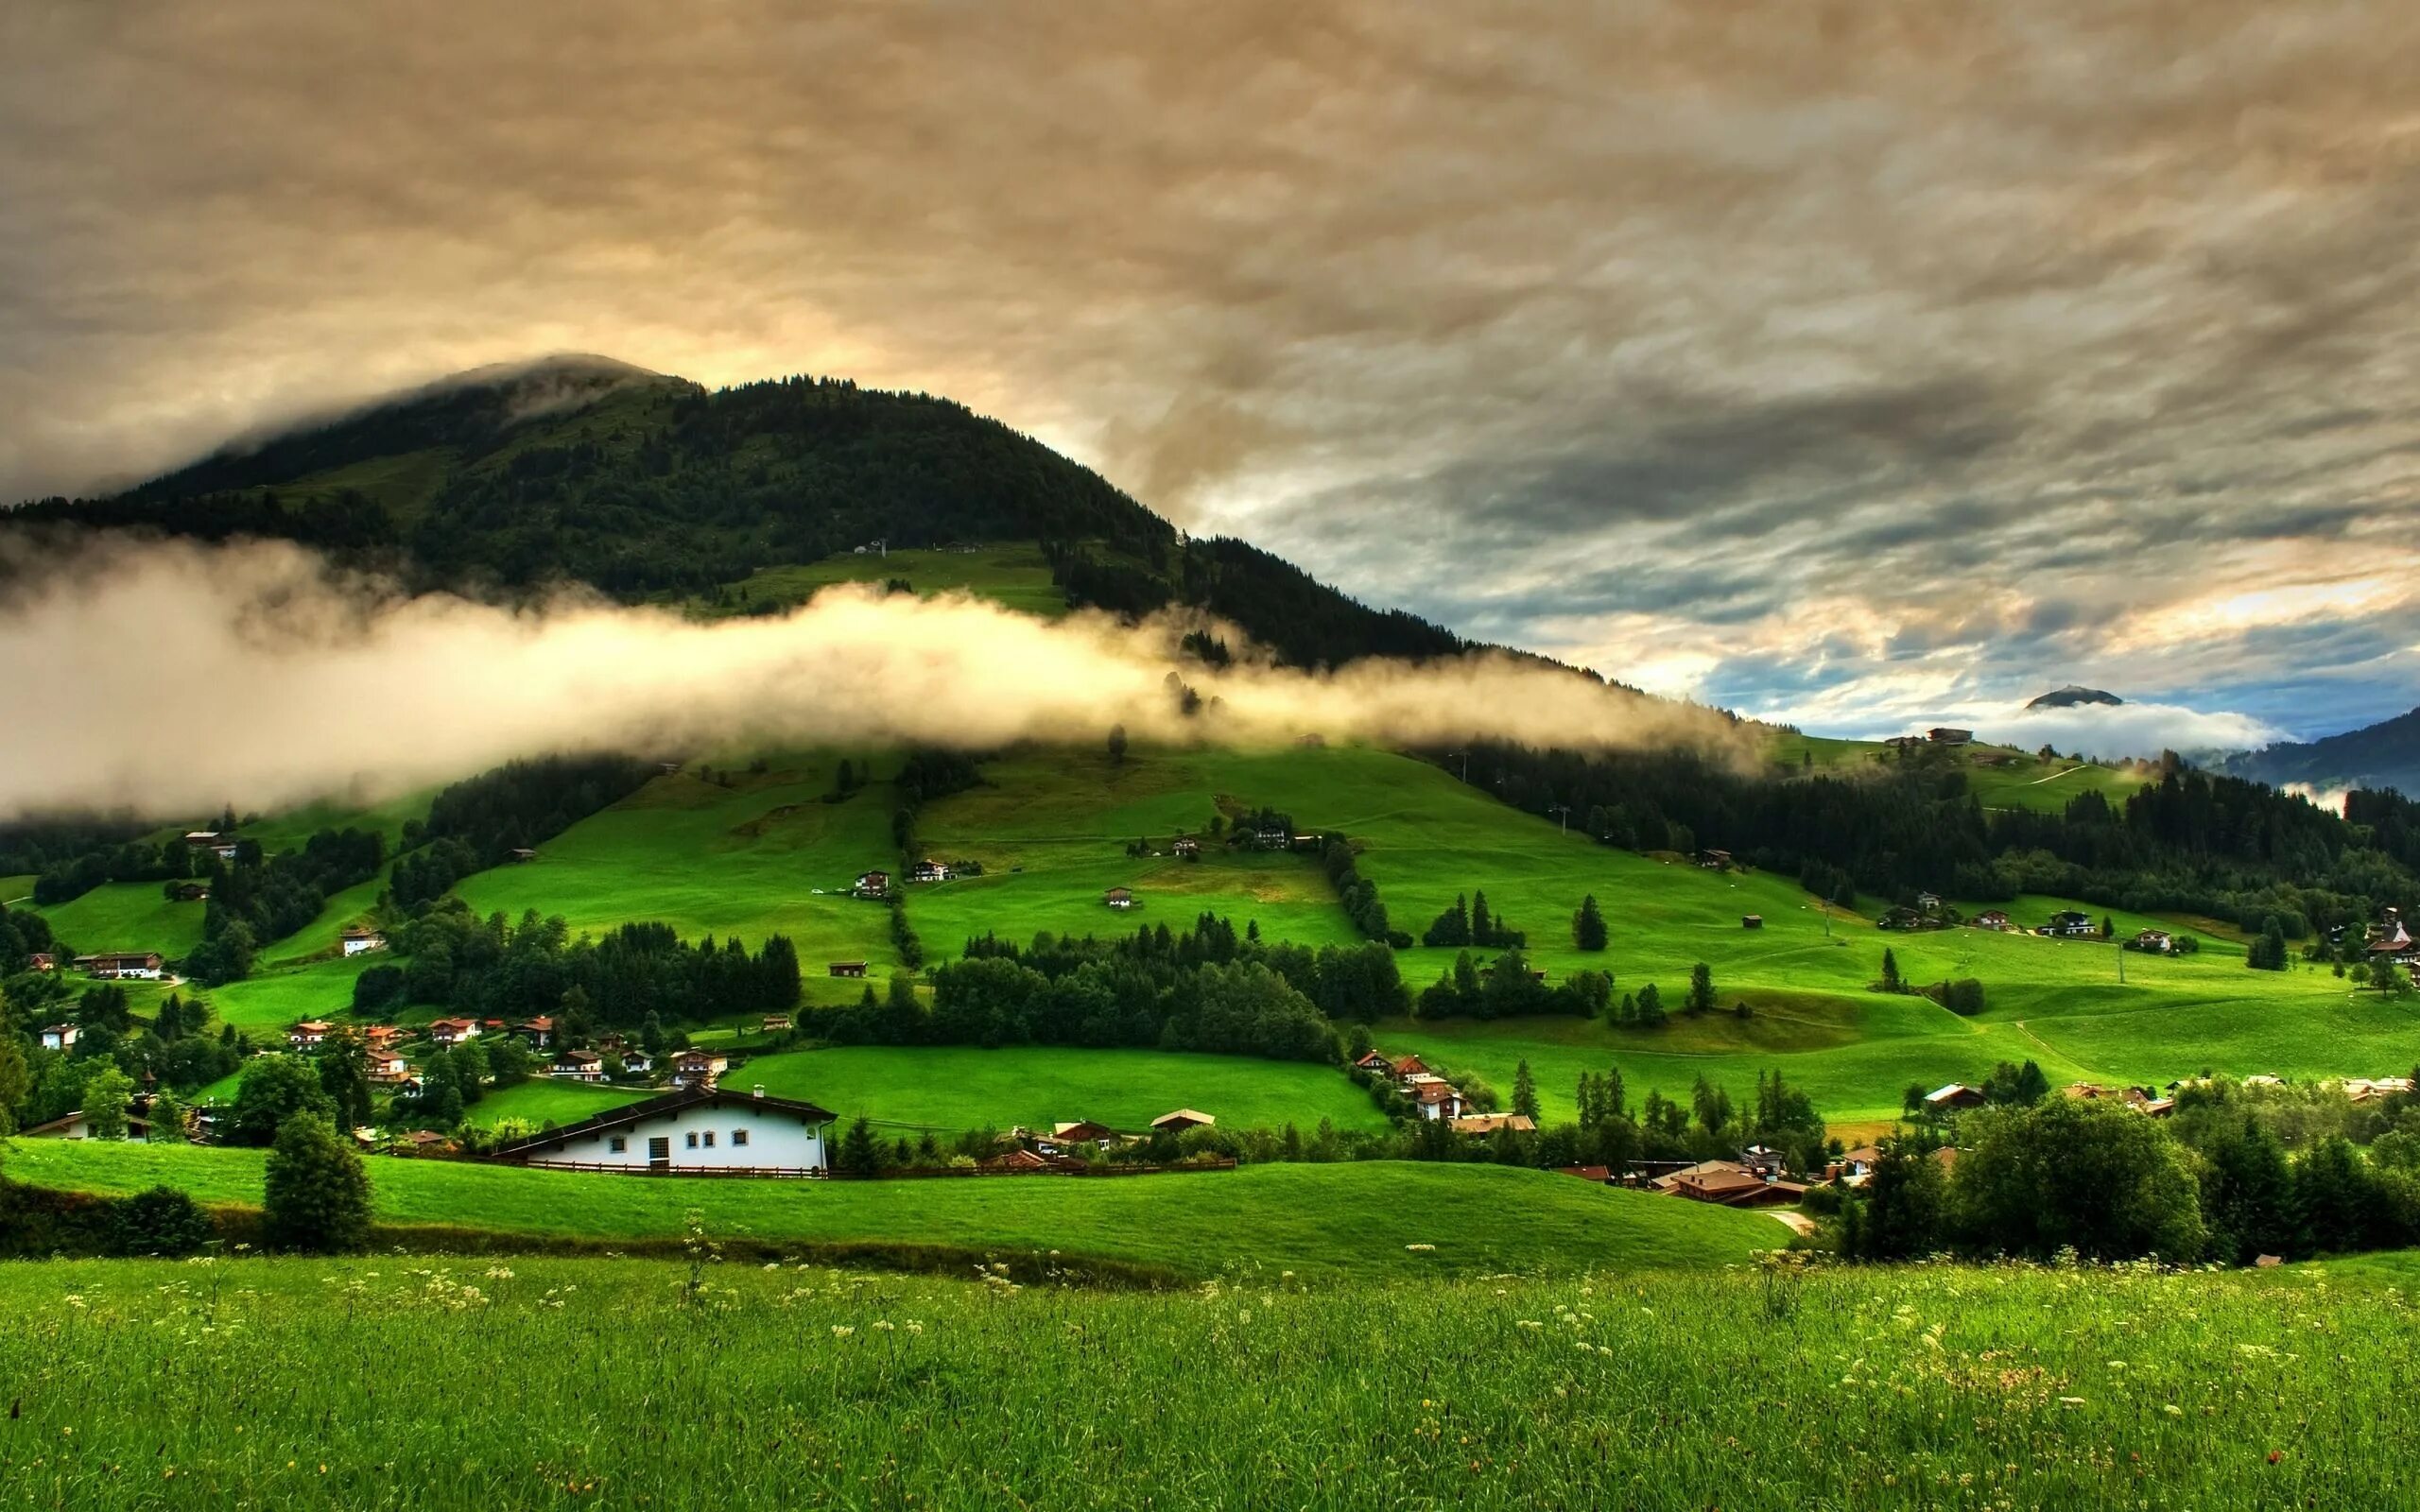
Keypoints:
pixel 1508 987
pixel 1357 893
pixel 2232 1175
pixel 927 775
pixel 2187 842
pixel 256 899
pixel 1207 988
pixel 181 1049
pixel 481 968
pixel 72 877
pixel 24 933
pixel 515 806
pixel 29 847
pixel 1468 922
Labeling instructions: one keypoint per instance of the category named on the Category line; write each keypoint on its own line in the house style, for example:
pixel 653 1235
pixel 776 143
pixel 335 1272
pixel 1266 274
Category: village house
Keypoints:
pixel 2068 923
pixel 1118 898
pixel 190 892
pixel 133 965
pixel 1715 860
pixel 1187 848
pixel 76 1126
pixel 1854 1166
pixel 1906 742
pixel 871 884
pixel 1992 918
pixel 1729 1184
pixel 308 1035
pixel 41 961
pixel 447 1033
pixel 577 1065
pixel 1375 1061
pixel 1020 1161
pixel 1927 903
pixel 698 1129
pixel 1947 735
pixel 1752 921
pixel 1082 1132
pixel 1272 837
pixel 847 968
pixel 2370 1089
pixel 1486 1124
pixel 358 939
pixel 698 1067
pixel 221 845
pixel 60 1037
pixel 1435 1098
pixel 1955 1096
pixel 774 1024
pixel 2154 942
pixel 1407 1067
pixel 636 1062
pixel 520 853
pixel 388 1068
pixel 930 870
pixel 1601 1175
pixel 1177 1122
pixel 539 1031
pixel 379 1035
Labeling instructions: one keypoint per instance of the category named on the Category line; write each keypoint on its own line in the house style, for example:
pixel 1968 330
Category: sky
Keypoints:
pixel 1857 364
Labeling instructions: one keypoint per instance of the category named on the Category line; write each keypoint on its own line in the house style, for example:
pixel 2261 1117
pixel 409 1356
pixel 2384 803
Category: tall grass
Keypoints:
pixel 409 1384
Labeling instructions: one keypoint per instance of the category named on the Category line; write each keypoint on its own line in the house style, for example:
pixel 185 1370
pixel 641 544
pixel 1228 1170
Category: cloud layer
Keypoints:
pixel 1838 361
pixel 253 674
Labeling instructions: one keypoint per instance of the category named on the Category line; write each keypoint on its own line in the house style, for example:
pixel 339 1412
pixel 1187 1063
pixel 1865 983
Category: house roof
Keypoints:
pixel 135 1123
pixel 1489 1123
pixel 1953 1093
pixel 1435 1091
pixel 1586 1173
pixel 1406 1065
pixel 680 1102
pixel 1183 1114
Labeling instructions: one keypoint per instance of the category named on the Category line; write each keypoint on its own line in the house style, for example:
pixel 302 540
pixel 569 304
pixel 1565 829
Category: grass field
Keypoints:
pixel 127 916
pixel 542 1100
pixel 955 1089
pixel 746 860
pixel 1325 1221
pixel 147 1385
pixel 2000 777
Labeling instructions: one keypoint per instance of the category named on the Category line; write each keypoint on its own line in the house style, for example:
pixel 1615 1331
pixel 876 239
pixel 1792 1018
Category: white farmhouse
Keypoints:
pixel 699 1129
pixel 357 940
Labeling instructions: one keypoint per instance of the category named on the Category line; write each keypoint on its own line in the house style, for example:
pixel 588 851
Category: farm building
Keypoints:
pixel 871 884
pixel 1118 898
pixel 847 968
pixel 60 1037
pixel 1601 1175
pixel 539 1031
pixel 76 1126
pixel 698 1067
pixel 133 965
pixel 1435 1098
pixel 1177 1122
pixel 1927 903
pixel 1484 1124
pixel 773 1023
pixel 1905 743
pixel 41 961
pixel 1715 860
pixel 1407 1067
pixel 929 870
pixel 189 892
pixel 1082 1132
pixel 2154 942
pixel 447 1033
pixel 1374 1061
pixel 1992 918
pixel 1947 735
pixel 520 853
pixel 577 1065
pixel 308 1035
pixel 389 1067
pixel 1955 1095
pixel 218 843
pixel 699 1130
pixel 1019 1163
pixel 1188 847
pixel 357 940
pixel 1728 1184
pixel 1752 921
pixel 2070 924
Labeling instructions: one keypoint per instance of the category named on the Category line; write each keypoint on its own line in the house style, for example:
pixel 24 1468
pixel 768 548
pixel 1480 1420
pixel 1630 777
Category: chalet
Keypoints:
pixel 2068 924
pixel 447 1033
pixel 1992 918
pixel 1082 1132
pixel 871 884
pixel 929 870
pixel 379 1035
pixel 698 1067
pixel 1407 1067
pixel 520 853
pixel 1487 1123
pixel 1188 848
pixel 1927 903
pixel 2086 1091
pixel 539 1031
pixel 704 1131
pixel 388 1068
pixel 1715 860
pixel 1601 1175
pixel 1272 837
pixel 1434 1098
pixel 1854 1166
pixel 189 892
pixel 774 1024
pixel 60 1037
pixel 1947 735
pixel 1177 1122
pixel 76 1126
pixel 1953 1097
pixel 308 1035
pixel 218 843
pixel 142 964
pixel 357 940
pixel 637 1062
pixel 428 1142
pixel 577 1065
pixel 2156 1107
pixel 1375 1061
pixel 2154 942
pixel 1763 1160
pixel 1729 1184
pixel 1019 1163
pixel 847 968
pixel 1752 921
pixel 41 961
pixel 1118 898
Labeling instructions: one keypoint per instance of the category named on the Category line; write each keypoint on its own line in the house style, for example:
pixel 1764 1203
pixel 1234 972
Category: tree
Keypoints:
pixel 1890 979
pixel 1525 1093
pixel 1904 1203
pixel 2076 1173
pixel 344 1076
pixel 1650 1005
pixel 2268 952
pixel 16 1080
pixel 1117 745
pixel 105 1099
pixel 163 1223
pixel 317 1194
pixel 272 1090
pixel 1588 927
pixel 860 1152
pixel 168 1119
pixel 1701 998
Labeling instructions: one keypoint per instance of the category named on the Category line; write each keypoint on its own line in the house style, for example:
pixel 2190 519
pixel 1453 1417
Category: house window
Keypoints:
pixel 617 1144
pixel 693 1139
pixel 739 1139
pixel 710 1139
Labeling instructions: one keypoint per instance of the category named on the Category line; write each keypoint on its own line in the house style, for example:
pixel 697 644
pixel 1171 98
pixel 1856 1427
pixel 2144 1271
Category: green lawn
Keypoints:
pixel 1331 1221
pixel 272 999
pixel 127 916
pixel 542 1100
pixel 951 1089
pixel 2000 777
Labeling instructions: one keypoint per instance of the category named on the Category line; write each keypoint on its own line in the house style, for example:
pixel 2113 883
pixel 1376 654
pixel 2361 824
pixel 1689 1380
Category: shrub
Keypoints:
pixel 316 1195
pixel 162 1222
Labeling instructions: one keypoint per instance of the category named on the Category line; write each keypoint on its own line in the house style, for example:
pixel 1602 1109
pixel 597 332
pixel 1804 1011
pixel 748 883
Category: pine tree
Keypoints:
pixel 860 1152
pixel 1701 998
pixel 1525 1093
pixel 1588 927
pixel 1891 980
pixel 1482 927
pixel 1650 1005
pixel 317 1195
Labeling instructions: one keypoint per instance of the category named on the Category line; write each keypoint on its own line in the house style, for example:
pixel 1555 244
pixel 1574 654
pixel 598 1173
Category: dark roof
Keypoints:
pixel 669 1103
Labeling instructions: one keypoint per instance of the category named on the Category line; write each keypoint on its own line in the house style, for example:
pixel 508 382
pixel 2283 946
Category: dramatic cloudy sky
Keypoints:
pixel 1856 363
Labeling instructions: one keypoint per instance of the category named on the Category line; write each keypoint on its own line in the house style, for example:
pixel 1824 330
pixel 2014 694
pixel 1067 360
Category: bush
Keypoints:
pixel 317 1196
pixel 161 1223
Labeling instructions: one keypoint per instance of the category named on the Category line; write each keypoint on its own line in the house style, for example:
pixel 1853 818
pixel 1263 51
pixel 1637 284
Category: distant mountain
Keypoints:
pixel 640 484
pixel 2072 694
pixel 2376 756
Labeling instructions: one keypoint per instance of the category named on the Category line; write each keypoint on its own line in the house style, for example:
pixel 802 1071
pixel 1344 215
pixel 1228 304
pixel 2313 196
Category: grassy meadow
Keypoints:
pixel 542 1100
pixel 1330 1222
pixel 249 1382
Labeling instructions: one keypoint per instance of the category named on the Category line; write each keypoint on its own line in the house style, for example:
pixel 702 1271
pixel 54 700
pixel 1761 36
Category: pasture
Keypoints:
pixel 542 1100
pixel 1328 1222
pixel 240 1383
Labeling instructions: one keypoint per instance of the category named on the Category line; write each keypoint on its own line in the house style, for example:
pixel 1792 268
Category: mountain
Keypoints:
pixel 644 485
pixel 2382 755
pixel 2072 694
